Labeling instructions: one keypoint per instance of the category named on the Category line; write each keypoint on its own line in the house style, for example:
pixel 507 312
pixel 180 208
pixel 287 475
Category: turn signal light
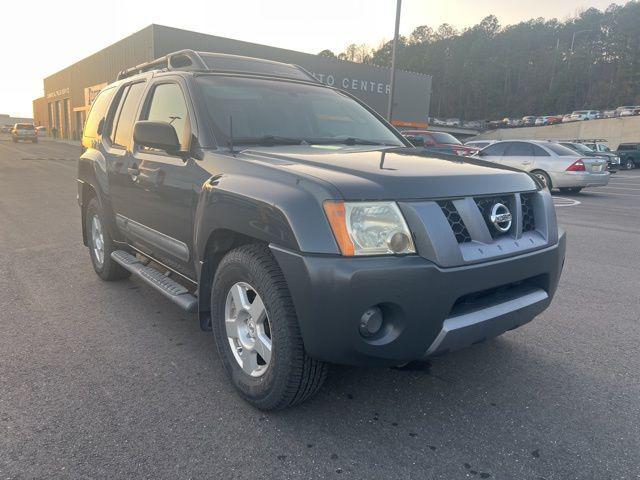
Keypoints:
pixel 577 166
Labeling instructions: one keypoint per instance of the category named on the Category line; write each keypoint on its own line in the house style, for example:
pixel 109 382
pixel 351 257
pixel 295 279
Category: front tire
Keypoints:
pixel 101 244
pixel 256 332
pixel 629 164
pixel 570 189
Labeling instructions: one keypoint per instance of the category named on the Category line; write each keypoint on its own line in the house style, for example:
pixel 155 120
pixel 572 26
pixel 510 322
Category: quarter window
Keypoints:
pixel 97 113
pixel 168 105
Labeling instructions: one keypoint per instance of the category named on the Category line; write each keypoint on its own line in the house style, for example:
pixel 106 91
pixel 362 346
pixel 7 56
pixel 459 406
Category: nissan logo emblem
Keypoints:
pixel 501 217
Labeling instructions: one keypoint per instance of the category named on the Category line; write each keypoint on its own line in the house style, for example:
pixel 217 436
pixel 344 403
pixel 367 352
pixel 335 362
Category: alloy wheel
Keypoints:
pixel 97 240
pixel 248 329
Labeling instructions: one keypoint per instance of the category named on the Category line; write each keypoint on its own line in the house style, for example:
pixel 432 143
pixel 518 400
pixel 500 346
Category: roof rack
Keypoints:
pixel 190 60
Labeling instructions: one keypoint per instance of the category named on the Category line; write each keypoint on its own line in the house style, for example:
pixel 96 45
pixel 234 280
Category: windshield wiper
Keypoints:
pixel 348 141
pixel 269 140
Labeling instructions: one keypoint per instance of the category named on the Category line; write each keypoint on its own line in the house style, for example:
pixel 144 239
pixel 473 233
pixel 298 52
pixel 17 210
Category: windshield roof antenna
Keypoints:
pixel 231 135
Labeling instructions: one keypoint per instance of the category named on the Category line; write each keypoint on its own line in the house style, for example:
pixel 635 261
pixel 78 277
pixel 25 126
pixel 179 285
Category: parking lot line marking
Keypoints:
pixel 617 194
pixel 565 202
pixel 621 187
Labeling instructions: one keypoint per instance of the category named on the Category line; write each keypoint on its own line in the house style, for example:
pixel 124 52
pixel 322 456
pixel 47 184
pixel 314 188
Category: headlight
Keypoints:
pixel 369 228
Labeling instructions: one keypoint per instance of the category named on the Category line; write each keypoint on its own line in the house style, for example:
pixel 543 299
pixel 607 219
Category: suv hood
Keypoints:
pixel 395 173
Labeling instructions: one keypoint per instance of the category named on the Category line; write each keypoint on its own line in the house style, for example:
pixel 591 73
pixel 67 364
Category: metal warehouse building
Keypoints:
pixel 68 94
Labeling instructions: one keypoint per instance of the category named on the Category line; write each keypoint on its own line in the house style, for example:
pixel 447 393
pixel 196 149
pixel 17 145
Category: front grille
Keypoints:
pixel 528 218
pixel 485 204
pixel 456 223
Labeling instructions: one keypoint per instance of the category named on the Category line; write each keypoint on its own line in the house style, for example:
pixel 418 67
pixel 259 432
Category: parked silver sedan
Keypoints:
pixel 555 165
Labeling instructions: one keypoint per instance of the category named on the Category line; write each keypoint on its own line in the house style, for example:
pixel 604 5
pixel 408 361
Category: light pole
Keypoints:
pixel 393 61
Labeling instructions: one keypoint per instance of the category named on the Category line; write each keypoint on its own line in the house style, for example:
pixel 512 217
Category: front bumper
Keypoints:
pixel 579 179
pixel 427 309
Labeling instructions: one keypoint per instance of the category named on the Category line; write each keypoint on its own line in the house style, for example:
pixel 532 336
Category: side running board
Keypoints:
pixel 165 285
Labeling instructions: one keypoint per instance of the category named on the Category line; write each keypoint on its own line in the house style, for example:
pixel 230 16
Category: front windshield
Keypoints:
pixel 276 112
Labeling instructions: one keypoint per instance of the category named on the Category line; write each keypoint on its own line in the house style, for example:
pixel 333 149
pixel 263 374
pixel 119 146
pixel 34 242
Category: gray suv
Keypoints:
pixel 301 227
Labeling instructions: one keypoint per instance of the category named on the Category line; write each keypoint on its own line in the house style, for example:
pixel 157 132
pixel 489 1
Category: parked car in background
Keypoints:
pixel 629 154
pixel 493 124
pixel 453 122
pixel 567 118
pixel 41 131
pixel 548 120
pixel 600 146
pixel 512 122
pixel 613 161
pixel 608 114
pixel 479 143
pixel 438 142
pixel 585 115
pixel 6 128
pixel 477 124
pixel 597 145
pixel 529 121
pixel 624 108
pixel 24 132
pixel 554 165
pixel 630 111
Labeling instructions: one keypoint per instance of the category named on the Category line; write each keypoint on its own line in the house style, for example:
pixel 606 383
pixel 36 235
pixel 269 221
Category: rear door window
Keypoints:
pixel 539 151
pixel 98 112
pixel 123 129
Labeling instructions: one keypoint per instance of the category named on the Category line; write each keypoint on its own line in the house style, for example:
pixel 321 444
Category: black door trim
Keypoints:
pixel 158 239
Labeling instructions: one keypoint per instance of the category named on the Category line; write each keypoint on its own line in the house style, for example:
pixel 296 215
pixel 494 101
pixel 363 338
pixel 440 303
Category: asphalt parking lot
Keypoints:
pixel 109 380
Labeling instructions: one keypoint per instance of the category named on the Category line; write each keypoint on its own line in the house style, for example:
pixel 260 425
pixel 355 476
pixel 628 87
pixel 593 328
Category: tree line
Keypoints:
pixel 536 67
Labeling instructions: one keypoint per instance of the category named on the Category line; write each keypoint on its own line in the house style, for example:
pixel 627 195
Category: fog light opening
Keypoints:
pixel 399 243
pixel 371 322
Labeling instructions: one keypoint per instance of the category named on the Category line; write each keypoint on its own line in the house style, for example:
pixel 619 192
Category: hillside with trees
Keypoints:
pixel 536 67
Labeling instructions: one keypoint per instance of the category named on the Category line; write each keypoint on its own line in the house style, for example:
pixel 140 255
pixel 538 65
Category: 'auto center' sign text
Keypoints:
pixel 347 83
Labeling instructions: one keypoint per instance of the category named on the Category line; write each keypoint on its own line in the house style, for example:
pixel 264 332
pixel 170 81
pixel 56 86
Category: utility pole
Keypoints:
pixel 393 61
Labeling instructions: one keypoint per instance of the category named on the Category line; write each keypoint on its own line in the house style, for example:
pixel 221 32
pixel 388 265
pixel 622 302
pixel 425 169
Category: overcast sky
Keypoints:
pixel 42 37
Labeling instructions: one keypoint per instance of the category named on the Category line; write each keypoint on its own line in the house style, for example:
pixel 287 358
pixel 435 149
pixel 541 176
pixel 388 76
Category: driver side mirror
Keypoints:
pixel 158 135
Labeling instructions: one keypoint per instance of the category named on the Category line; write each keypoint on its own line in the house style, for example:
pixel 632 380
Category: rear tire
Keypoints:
pixel 544 178
pixel 101 244
pixel 629 164
pixel 287 375
pixel 570 189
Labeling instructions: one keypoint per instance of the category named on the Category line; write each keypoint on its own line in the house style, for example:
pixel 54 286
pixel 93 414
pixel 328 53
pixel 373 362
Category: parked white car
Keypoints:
pixel 585 115
pixel 628 111
pixel 556 166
